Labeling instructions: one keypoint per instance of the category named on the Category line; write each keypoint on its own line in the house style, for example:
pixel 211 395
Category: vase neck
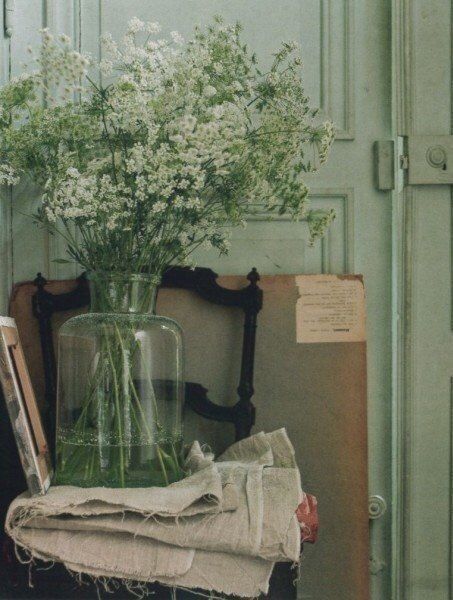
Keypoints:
pixel 123 293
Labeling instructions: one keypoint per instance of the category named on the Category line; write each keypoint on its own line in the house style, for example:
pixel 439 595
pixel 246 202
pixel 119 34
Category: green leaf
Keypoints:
pixel 61 261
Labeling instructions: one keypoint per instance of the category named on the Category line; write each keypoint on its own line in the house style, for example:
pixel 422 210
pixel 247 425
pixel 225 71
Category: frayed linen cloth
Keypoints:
pixel 221 529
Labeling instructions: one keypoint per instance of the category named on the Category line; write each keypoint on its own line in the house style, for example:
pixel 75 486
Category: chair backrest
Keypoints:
pixel 54 302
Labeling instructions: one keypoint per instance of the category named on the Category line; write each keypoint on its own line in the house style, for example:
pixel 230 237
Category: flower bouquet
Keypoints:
pixel 156 150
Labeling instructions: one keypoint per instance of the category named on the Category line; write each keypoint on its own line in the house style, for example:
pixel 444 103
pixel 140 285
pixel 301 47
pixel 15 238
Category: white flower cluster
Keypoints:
pixel 8 176
pixel 326 142
pixel 182 142
pixel 59 63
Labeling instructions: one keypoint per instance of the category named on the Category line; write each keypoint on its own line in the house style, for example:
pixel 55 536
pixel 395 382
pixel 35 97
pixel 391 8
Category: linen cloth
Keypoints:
pixel 221 529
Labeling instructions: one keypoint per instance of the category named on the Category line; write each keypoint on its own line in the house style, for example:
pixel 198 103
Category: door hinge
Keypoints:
pixel 8 10
pixel 376 565
pixel 404 161
pixel 377 507
pixel 384 165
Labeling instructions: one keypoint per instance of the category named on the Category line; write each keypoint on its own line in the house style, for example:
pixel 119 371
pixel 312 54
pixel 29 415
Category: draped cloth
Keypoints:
pixel 220 529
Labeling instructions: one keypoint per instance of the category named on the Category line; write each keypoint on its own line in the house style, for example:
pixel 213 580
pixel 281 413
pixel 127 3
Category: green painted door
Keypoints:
pixel 347 60
pixel 347 64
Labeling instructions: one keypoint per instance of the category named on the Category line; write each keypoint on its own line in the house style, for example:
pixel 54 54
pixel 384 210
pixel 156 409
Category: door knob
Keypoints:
pixel 436 156
pixel 377 507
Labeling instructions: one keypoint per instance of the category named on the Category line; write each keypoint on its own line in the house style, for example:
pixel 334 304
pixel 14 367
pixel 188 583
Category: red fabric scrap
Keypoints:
pixel 307 515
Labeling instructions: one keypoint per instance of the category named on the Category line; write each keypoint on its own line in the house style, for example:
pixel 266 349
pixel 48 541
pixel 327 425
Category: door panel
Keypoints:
pixel 346 55
pixel 280 245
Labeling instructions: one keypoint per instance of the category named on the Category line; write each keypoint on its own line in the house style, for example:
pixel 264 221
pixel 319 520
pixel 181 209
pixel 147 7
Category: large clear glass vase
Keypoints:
pixel 120 389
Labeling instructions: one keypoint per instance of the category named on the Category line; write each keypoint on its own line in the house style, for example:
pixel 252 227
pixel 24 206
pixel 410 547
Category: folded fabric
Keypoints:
pixel 220 529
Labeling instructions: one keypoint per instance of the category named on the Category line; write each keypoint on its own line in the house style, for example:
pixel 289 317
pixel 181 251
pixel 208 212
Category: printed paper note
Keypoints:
pixel 330 308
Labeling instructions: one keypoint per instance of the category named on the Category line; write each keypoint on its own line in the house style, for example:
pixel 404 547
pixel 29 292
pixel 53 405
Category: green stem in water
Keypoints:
pixel 162 465
pixel 118 415
pixel 160 453
pixel 148 431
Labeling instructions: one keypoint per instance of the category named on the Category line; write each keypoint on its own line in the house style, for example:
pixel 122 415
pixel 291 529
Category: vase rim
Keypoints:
pixel 151 278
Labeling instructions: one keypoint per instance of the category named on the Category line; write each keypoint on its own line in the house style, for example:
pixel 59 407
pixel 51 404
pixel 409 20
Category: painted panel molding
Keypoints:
pixel 276 244
pixel 337 65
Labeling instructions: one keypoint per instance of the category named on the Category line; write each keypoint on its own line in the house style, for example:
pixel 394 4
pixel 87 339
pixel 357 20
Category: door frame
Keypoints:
pixel 404 241
pixel 401 252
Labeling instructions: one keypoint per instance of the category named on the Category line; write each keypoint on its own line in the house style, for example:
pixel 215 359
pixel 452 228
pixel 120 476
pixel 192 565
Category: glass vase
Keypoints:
pixel 120 389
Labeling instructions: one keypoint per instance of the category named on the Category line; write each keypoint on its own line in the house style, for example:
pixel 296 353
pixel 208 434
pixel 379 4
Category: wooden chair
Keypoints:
pixel 203 283
pixel 46 304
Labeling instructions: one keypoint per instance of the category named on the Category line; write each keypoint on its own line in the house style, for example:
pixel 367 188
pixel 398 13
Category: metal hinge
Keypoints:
pixel 377 507
pixel 390 164
pixel 404 161
pixel 8 10
pixel 384 165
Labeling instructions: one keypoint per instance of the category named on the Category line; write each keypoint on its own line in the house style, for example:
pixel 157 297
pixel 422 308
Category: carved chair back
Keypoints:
pixel 204 283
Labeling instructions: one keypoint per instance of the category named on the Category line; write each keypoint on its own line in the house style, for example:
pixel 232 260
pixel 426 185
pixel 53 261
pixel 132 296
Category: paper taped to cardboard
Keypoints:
pixel 330 308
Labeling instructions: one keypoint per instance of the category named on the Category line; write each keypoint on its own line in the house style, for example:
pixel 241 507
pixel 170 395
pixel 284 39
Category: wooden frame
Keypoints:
pixel 23 410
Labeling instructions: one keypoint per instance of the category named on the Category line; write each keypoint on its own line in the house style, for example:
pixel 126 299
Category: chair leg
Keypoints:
pixel 283 583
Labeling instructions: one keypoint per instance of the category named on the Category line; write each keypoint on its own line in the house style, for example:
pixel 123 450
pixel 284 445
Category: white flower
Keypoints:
pixel 273 78
pixel 209 91
pixel 109 44
pixel 152 45
pixel 326 142
pixel 218 111
pixel 159 207
pixel 46 35
pixel 106 66
pixel 8 175
pixel 135 25
pixel 188 123
pixel 111 223
pixel 177 37
pixel 153 27
pixel 193 203
pixel 177 139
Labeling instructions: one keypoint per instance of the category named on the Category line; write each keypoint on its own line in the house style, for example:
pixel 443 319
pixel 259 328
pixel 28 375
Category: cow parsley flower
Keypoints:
pixel 177 37
pixel 209 91
pixel 8 176
pixel 135 25
pixel 153 28
pixel 183 142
